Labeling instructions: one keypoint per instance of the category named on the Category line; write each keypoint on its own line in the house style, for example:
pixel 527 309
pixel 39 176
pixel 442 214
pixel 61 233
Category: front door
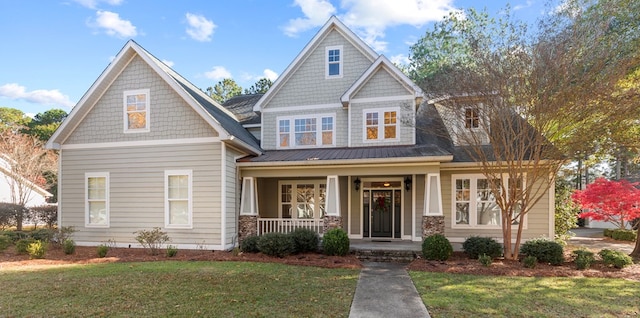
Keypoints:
pixel 381 212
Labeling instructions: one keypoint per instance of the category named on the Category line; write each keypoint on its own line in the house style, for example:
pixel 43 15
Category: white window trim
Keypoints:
pixel 292 131
pixel 88 175
pixel 316 196
pixel 326 61
pixel 189 174
pixel 473 216
pixel 147 108
pixel 381 125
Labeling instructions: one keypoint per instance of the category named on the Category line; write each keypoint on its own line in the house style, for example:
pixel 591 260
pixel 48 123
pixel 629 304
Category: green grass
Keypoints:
pixel 179 289
pixel 453 295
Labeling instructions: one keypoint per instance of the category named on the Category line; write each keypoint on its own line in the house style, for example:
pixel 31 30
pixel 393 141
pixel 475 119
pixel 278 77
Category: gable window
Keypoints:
pixel 302 199
pixel 136 111
pixel 97 199
pixel 308 131
pixel 381 124
pixel 334 62
pixel 471 118
pixel 474 203
pixel 178 203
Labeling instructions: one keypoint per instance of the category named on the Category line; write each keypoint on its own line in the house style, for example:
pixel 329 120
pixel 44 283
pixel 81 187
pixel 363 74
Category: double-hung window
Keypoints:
pixel 471 118
pixel 381 124
pixel 306 131
pixel 178 201
pixel 97 199
pixel 334 61
pixel 302 199
pixel 136 111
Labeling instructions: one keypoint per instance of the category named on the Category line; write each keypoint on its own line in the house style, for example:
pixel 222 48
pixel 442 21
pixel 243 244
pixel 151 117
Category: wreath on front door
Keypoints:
pixel 381 204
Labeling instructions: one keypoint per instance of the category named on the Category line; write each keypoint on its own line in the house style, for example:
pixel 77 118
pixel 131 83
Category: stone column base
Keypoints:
pixel 432 225
pixel 247 226
pixel 332 222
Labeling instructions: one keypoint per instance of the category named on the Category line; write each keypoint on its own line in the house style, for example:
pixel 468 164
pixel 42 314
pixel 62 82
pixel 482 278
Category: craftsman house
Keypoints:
pixel 342 139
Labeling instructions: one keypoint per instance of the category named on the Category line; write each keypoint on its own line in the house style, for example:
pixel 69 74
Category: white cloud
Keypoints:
pixel 39 96
pixel 200 29
pixel 316 13
pixel 168 63
pixel 270 74
pixel 113 25
pixel 267 73
pixel 527 4
pixel 218 73
pixel 400 59
pixel 92 4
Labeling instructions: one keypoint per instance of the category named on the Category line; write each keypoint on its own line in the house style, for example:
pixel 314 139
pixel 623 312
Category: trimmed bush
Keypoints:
pixel 15 236
pixel 44 235
pixel 305 240
pixel 102 250
pixel 544 250
pixel 476 246
pixel 172 251
pixel 436 247
pixel 23 244
pixel 276 244
pixel 69 246
pixel 615 258
pixel 5 241
pixel 584 259
pixel 335 242
pixel 37 249
pixel 250 244
pixel 485 260
pixel 530 261
pixel 624 235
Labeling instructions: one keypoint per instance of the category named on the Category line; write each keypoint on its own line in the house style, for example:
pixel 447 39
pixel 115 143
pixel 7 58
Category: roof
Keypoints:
pixel 7 170
pixel 220 119
pixel 242 107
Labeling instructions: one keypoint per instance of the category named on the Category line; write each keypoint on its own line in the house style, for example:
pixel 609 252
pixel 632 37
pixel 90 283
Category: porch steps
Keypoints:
pixel 379 255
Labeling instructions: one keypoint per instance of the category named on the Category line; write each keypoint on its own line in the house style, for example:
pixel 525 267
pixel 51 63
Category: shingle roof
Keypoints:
pixel 242 107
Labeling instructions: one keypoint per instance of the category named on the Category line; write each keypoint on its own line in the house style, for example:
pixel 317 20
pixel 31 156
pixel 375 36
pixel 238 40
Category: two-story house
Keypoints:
pixel 342 139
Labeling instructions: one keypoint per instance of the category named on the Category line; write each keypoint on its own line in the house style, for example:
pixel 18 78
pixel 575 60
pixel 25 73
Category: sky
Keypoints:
pixel 52 51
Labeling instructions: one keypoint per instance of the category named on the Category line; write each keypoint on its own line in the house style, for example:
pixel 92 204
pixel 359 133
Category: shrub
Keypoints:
pixel 608 232
pixel 250 244
pixel 544 250
pixel 102 250
pixel 23 244
pixel 37 249
pixel 476 246
pixel 44 235
pixel 584 259
pixel 305 240
pixel 5 241
pixel 436 247
pixel 335 242
pixel 485 260
pixel 152 240
pixel 172 251
pixel 64 233
pixel 276 244
pixel 615 258
pixel 15 236
pixel 47 213
pixel 69 246
pixel 624 235
pixel 530 261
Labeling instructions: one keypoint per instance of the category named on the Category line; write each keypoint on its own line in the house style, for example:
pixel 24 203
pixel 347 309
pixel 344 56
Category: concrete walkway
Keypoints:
pixel 386 290
pixel 593 239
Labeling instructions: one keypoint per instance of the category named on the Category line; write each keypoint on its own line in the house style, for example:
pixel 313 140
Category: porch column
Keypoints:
pixel 332 217
pixel 432 216
pixel 248 220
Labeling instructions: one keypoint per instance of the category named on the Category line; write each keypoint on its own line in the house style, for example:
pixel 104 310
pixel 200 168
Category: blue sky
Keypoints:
pixel 54 50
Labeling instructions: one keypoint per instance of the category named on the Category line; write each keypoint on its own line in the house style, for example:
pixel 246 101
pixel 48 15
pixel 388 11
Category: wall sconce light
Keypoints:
pixel 356 183
pixel 407 183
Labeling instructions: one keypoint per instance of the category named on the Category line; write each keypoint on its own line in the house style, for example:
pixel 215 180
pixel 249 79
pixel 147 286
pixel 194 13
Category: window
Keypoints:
pixel 136 111
pixel 471 118
pixel 334 62
pixel 474 202
pixel 306 132
pixel 302 199
pixel 97 199
pixel 381 124
pixel 178 209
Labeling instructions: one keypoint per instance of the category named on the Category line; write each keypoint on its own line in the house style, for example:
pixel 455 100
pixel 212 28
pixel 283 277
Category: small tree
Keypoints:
pixel 617 202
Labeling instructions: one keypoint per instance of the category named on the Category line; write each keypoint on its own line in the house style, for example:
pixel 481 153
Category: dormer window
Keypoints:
pixel 136 111
pixel 334 61
pixel 381 124
pixel 471 118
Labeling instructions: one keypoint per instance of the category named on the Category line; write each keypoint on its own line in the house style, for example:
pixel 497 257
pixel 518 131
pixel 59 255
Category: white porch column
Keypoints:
pixel 248 220
pixel 432 216
pixel 332 217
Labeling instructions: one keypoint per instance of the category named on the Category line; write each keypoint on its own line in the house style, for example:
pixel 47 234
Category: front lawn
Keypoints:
pixel 180 289
pixel 455 295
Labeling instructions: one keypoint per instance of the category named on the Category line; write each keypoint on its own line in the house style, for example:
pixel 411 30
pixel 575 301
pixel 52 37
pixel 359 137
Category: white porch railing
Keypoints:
pixel 269 225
